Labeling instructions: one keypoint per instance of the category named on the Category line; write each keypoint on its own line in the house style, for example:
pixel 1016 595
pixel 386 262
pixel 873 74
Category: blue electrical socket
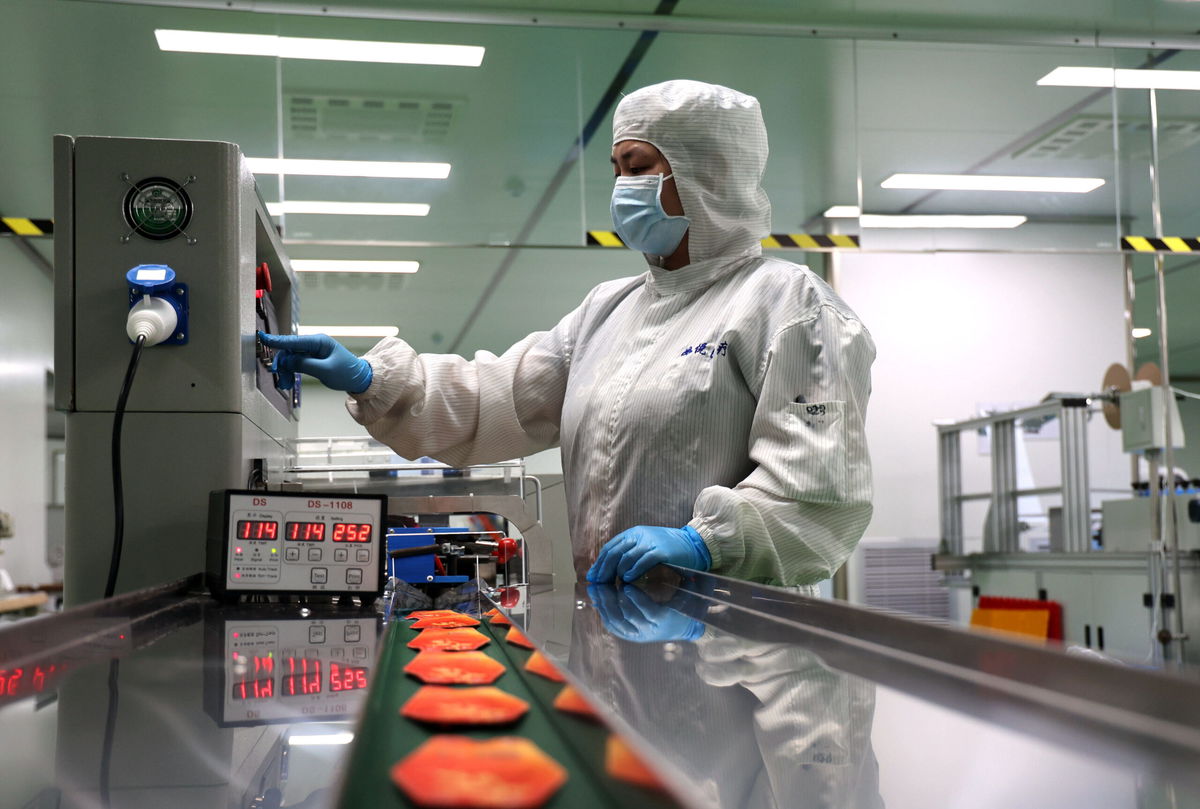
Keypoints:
pixel 158 281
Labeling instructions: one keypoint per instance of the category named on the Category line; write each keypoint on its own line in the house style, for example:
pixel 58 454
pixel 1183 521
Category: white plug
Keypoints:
pixel 152 318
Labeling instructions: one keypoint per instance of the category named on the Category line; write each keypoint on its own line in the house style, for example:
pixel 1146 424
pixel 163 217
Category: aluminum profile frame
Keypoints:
pixel 1075 486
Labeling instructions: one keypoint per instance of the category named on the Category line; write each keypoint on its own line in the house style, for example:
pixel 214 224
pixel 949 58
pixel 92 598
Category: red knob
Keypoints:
pixel 506 549
pixel 262 277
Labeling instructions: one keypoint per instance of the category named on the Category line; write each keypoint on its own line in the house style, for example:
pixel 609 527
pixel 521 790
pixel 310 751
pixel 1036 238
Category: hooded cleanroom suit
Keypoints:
pixel 728 395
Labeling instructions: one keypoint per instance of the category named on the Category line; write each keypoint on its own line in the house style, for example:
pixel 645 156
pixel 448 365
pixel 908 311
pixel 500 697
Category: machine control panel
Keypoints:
pixel 296 543
pixel 288 669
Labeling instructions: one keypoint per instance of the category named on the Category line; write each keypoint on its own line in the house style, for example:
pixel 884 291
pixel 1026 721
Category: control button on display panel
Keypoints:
pixel 340 554
pixel 314 554
pixel 360 652
pixel 354 576
pixel 363 555
pixel 291 554
pixel 316 634
pixel 320 575
pixel 353 633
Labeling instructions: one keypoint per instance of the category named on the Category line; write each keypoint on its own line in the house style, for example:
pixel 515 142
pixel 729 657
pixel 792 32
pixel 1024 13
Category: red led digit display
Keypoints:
pixel 303 677
pixel 257 529
pixel 10 681
pixel 306 531
pixel 258 683
pixel 254 689
pixel 346 678
pixel 352 532
pixel 24 681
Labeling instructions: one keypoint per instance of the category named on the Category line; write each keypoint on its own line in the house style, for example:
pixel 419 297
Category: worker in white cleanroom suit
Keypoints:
pixel 710 410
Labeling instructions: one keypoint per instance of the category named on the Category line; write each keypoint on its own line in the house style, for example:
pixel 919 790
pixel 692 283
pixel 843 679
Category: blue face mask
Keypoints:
pixel 639 218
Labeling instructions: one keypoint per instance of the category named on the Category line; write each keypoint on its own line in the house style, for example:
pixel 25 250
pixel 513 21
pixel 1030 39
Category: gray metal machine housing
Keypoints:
pixel 200 416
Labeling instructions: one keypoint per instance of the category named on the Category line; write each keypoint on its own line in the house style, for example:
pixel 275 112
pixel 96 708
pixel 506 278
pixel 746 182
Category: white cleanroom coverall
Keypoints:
pixel 728 394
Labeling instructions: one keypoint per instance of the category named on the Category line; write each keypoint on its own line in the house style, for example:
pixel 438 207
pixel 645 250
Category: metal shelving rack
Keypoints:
pixel 1072 413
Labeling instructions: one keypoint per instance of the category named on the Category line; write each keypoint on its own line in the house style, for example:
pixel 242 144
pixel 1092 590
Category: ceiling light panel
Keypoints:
pixel 348 208
pixel 842 212
pixel 334 50
pixel 987 221
pixel 348 168
pixel 338 265
pixel 993 182
pixel 351 331
pixel 320 739
pixel 1121 78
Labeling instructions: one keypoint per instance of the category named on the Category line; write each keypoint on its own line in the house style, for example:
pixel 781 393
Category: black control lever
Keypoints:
pixel 419 550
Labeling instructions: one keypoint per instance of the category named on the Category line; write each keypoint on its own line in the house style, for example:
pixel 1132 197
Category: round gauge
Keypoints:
pixel 157 208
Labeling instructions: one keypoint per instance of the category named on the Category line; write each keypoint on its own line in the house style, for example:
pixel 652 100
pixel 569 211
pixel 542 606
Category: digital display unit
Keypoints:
pixel 277 666
pixel 296 543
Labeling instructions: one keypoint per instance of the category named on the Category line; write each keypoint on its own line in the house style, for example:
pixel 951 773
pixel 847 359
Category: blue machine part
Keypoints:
pixel 418 569
pixel 158 281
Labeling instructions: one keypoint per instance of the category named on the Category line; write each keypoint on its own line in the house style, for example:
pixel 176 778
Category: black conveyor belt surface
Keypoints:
pixel 385 737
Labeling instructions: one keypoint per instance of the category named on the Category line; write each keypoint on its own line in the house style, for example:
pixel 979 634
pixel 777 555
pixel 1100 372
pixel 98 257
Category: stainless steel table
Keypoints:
pixel 739 695
pixel 749 696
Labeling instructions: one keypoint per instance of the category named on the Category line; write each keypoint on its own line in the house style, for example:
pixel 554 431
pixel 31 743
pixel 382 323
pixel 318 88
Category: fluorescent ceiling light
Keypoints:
pixel 338 265
pixel 348 168
pixel 351 331
pixel 334 50
pixel 870 220
pixel 992 182
pixel 842 212
pixel 1140 333
pixel 321 738
pixel 349 208
pixel 1122 78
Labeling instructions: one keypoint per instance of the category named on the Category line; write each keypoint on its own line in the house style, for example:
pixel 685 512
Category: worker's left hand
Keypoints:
pixel 631 614
pixel 631 554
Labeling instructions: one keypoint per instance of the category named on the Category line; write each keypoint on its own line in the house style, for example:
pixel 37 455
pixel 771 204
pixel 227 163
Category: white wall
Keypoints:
pixel 954 330
pixel 323 412
pixel 26 352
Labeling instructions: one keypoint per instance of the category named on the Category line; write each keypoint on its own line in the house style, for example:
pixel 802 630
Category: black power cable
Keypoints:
pixel 118 493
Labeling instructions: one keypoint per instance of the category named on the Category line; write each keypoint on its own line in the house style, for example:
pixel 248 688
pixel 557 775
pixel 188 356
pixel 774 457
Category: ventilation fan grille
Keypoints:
pixel 1090 137
pixel 900 578
pixel 358 118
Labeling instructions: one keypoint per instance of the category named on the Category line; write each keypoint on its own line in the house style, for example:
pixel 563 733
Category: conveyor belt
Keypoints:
pixel 384 737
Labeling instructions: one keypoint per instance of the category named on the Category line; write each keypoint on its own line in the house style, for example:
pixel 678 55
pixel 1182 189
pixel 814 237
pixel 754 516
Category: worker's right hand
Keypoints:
pixel 320 356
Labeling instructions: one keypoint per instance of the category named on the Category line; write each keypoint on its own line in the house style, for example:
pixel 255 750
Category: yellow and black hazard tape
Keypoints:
pixel 803 241
pixel 19 226
pixel 811 240
pixel 1167 244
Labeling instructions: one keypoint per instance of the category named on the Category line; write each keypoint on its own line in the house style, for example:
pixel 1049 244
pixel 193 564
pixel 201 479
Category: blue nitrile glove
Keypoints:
pixel 317 355
pixel 631 554
pixel 631 614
